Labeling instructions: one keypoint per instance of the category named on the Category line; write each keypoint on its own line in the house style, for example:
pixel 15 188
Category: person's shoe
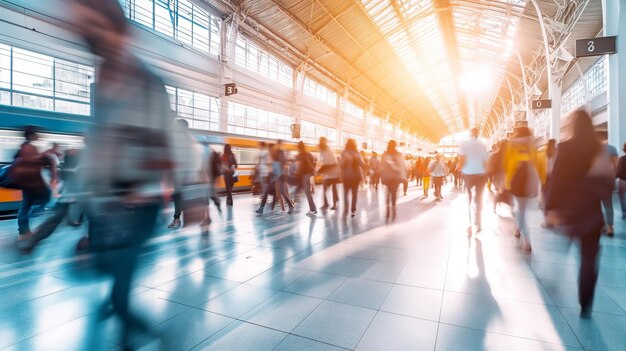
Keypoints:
pixel 311 213
pixel 334 207
pixel 585 313
pixel 204 226
pixel 219 207
pixel 74 224
pixel 21 238
pixel 324 208
pixel 291 210
pixel 393 213
pixel 353 214
pixel 259 211
pixel 83 244
pixel 518 234
pixel 610 231
pixel 175 224
pixel 526 247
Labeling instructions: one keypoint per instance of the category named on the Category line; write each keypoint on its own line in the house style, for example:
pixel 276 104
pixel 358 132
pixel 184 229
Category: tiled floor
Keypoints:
pixel 279 282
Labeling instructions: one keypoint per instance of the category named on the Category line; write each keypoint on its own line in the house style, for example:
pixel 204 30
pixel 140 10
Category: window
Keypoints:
pixel 248 120
pixel 312 132
pixel 596 83
pixel 201 111
pixel 32 80
pixel 353 110
pixel 178 19
pixel 249 56
pixel 319 92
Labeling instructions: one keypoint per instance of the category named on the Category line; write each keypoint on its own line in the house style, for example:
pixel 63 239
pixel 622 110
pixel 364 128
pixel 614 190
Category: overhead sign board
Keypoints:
pixel 541 104
pixel 596 46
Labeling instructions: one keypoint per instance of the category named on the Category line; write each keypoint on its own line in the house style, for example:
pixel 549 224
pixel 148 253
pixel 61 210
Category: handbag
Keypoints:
pixel 194 203
pixel 110 225
pixel 236 177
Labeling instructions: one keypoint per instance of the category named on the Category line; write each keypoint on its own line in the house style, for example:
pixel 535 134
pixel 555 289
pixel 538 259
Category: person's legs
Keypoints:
pixel 325 186
pixel 229 190
pixel 479 184
pixel 177 199
pixel 607 203
pixel 266 191
pixel 405 185
pixel 23 216
pixel 426 185
pixel 306 185
pixel 520 216
pixel 282 189
pixel 335 195
pixel 51 223
pixel 393 189
pixel 346 198
pixel 355 193
pixel 588 274
pixel 622 197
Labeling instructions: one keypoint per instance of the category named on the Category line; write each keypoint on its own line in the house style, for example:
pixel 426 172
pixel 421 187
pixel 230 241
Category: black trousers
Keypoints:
pixel 588 274
pixel 332 184
pixel 438 182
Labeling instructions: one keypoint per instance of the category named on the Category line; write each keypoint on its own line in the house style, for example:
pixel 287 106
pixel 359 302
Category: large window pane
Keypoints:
pixel 5 66
pixel 143 12
pixel 32 72
pixel 163 17
pixel 34 102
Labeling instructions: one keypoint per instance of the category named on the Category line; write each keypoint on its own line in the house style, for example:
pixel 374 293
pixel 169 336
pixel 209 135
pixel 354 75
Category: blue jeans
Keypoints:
pixel 30 199
pixel 521 204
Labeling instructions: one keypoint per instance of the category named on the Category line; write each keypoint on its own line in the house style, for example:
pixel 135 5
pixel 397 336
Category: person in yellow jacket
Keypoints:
pixel 523 173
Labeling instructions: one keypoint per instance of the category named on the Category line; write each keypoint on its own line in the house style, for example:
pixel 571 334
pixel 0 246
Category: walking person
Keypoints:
pixel 330 171
pixel 351 170
pixel 393 172
pixel 374 165
pixel 547 159
pixel 304 171
pixel 425 176
pixel 407 166
pixel 607 202
pixel 438 171
pixel 263 172
pixel 579 183
pixel 26 169
pixel 522 178
pixel 229 169
pixel 474 155
pixel 621 179
pixel 279 178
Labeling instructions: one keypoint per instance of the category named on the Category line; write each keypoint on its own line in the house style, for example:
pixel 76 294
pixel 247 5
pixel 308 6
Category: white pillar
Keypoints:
pixel 555 111
pixel 613 15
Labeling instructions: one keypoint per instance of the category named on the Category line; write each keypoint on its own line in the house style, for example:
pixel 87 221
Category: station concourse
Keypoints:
pixel 312 175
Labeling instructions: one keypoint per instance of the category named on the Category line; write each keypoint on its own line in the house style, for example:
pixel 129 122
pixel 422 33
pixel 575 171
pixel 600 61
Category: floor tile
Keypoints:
pixel 293 342
pixel 413 302
pixel 195 289
pixel 240 336
pixel 282 311
pixel 315 284
pixel 337 324
pixel 190 328
pixel 601 332
pixel 393 332
pixel 361 292
pixel 239 301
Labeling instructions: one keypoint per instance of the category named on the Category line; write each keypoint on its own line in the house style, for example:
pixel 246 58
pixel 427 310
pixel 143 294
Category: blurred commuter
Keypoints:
pixel 621 178
pixel 305 168
pixel 188 154
pixel 418 170
pixel 374 165
pixel 473 158
pixel 495 171
pixel 578 183
pixel 607 202
pixel 279 178
pixel 330 171
pixel 425 175
pixel 54 155
pixel 263 174
pixel 26 171
pixel 229 171
pixel 365 169
pixel 68 207
pixel 547 158
pixel 458 177
pixel 128 156
pixel 407 166
pixel 351 169
pixel 522 178
pixel 392 173
pixel 438 171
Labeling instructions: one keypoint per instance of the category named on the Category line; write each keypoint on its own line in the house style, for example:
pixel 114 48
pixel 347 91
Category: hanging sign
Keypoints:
pixel 541 104
pixel 230 89
pixel 596 46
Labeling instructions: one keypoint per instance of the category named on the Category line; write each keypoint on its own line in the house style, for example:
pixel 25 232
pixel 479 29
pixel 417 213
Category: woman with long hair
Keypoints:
pixel 393 172
pixel 351 169
pixel 578 183
pixel 229 167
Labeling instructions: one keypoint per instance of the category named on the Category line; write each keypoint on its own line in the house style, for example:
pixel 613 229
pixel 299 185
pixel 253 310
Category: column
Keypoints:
pixel 556 90
pixel 613 15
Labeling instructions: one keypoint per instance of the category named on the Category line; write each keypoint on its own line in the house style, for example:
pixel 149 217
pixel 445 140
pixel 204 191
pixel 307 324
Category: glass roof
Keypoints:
pixel 484 35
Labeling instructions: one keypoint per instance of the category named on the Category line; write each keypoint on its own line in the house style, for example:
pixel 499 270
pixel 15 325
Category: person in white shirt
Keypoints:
pixel 330 171
pixel 472 165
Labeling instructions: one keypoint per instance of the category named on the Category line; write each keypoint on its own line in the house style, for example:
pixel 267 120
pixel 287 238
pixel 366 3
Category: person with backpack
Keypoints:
pixel 229 171
pixel 25 174
pixel 620 174
pixel 579 182
pixel 330 171
pixel 438 171
pixel 393 172
pixel 305 168
pixel 522 178
pixel 351 170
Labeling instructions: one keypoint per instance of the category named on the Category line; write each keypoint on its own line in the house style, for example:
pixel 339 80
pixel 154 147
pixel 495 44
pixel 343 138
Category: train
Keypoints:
pixel 245 148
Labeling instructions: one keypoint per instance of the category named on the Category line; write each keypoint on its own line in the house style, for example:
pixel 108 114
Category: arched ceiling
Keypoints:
pixel 436 66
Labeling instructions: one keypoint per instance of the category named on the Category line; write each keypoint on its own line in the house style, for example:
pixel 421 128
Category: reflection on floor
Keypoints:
pixel 280 282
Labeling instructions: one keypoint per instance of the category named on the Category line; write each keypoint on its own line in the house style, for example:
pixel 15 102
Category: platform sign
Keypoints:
pixel 596 46
pixel 541 104
pixel 230 89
